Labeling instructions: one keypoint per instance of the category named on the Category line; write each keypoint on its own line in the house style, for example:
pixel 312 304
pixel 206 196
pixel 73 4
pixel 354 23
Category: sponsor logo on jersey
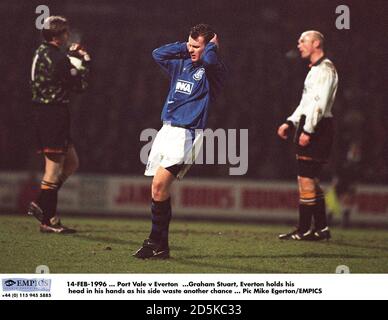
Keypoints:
pixel 183 86
pixel 198 75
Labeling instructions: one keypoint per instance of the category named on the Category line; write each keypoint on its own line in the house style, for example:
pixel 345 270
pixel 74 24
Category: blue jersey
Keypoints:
pixel 193 84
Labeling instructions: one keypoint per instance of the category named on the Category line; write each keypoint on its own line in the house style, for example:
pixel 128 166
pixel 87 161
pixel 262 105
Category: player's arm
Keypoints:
pixel 210 55
pixel 40 70
pixel 74 69
pixel 167 55
pixel 215 67
pixel 294 118
pixel 319 98
pixel 292 121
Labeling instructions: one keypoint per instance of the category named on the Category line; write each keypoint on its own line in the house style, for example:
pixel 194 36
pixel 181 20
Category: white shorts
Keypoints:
pixel 174 146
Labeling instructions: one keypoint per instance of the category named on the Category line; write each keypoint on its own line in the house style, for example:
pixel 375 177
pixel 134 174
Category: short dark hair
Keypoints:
pixel 203 30
pixel 54 26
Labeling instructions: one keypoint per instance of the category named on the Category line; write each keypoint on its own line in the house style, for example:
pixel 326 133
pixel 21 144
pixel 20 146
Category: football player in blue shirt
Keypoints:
pixel 196 76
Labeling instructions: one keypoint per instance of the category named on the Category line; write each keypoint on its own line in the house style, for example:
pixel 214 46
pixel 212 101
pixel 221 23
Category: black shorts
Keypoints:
pixel 321 142
pixel 309 168
pixel 174 170
pixel 52 128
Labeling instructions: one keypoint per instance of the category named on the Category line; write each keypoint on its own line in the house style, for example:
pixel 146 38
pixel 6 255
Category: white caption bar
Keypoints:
pixel 194 286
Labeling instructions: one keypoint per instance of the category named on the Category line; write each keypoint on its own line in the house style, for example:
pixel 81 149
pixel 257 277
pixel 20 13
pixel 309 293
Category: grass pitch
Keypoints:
pixel 105 246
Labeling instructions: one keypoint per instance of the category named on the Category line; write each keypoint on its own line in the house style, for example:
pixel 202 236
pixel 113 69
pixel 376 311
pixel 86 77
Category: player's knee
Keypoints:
pixel 159 190
pixel 52 175
pixel 54 165
pixel 309 191
pixel 71 163
pixel 307 187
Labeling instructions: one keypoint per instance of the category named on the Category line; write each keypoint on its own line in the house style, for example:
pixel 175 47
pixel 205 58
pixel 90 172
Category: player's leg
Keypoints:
pixel 321 226
pixel 161 206
pixel 52 125
pixel 311 201
pixel 320 152
pixel 161 184
pixel 307 201
pixel 44 208
pixel 310 161
pixel 70 165
pixel 50 185
pixel 306 197
pixel 58 168
pixel 156 246
pixel 166 163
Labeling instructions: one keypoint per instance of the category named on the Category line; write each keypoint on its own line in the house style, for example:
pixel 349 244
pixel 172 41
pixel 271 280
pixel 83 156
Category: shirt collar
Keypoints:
pixel 318 62
pixel 51 45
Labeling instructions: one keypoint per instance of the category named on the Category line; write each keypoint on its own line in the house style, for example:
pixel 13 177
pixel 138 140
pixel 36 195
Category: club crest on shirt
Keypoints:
pixel 198 75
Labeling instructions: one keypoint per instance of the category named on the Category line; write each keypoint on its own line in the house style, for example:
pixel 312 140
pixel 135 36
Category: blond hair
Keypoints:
pixel 316 36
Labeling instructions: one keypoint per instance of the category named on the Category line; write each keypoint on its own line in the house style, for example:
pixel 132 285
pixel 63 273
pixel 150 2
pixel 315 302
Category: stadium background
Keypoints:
pixel 264 83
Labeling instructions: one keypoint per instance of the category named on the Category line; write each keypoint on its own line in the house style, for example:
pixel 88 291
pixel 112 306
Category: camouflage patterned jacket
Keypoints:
pixel 54 75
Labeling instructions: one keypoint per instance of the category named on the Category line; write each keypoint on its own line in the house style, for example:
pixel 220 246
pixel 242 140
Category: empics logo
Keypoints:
pixel 9 283
pixel 26 285
pixel 183 86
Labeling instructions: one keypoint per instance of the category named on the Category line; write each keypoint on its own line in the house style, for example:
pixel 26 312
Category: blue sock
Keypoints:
pixel 161 216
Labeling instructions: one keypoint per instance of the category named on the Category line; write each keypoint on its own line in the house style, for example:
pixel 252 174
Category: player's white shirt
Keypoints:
pixel 320 88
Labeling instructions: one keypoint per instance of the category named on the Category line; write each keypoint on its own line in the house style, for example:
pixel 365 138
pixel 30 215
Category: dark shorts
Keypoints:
pixel 52 128
pixel 179 170
pixel 309 168
pixel 321 141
